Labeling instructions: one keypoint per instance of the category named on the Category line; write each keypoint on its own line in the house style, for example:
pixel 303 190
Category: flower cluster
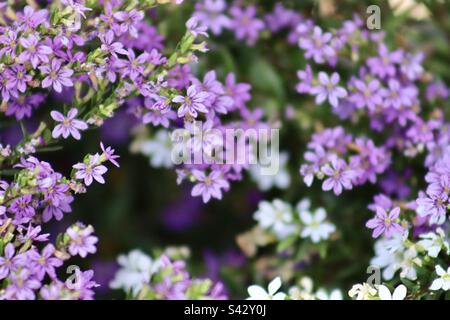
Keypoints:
pixel 29 263
pixel 164 277
pixel 343 161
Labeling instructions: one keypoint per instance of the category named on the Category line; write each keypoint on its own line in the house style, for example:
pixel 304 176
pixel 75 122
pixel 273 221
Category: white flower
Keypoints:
pixel 304 291
pixel 362 291
pixel 159 149
pixel 392 255
pixel 315 227
pixel 258 293
pixel 277 217
pixel 136 270
pixel 408 263
pixel 434 242
pixel 385 294
pixel 443 282
pixel 335 294
pixel 281 179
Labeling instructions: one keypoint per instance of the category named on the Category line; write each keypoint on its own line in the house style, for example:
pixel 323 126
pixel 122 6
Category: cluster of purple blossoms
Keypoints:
pixel 30 262
pixel 216 17
pixel 343 161
pixel 177 282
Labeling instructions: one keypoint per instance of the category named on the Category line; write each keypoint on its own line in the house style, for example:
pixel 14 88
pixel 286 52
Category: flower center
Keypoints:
pixel 208 181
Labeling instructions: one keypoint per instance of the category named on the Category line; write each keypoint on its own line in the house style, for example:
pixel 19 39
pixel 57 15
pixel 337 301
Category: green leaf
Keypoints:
pixel 286 243
pixel 264 77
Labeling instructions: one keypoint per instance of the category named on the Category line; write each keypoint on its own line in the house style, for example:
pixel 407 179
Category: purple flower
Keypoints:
pixel 280 18
pixel 196 28
pixel 77 6
pixel 129 21
pixel 44 263
pixel 109 155
pixel 82 241
pixel 193 102
pixel 9 41
pixel 58 203
pixel 239 92
pixel 92 170
pixel 328 89
pixel 108 44
pixel 399 95
pixel 32 19
pixel 210 14
pixel 306 79
pixel 22 106
pixel 57 76
pixel 134 66
pixel 245 25
pixel 209 186
pixel 411 65
pixel 384 223
pixel 35 52
pixel 433 205
pixel 179 77
pixel 22 286
pixel 158 116
pixel 6 89
pixel 18 77
pixel 367 94
pixel 384 64
pixel 10 262
pixel 53 291
pixel 84 284
pixel 148 39
pixel 69 125
pixel 33 234
pixel 339 176
pixel 437 90
pixel 23 208
pixel 317 46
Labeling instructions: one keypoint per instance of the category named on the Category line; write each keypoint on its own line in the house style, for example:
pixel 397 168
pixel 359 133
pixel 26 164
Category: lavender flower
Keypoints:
pixel 57 76
pixel 385 223
pixel 328 89
pixel 69 125
pixel 317 46
pixel 196 28
pixel 91 171
pixel 22 286
pixel 18 77
pixel 339 176
pixel 384 64
pixel 210 13
pixel 209 186
pixel 44 263
pixel 82 241
pixel 10 261
pixel 23 106
pixel 34 52
pixel 368 94
pixel 109 155
pixel 245 25
pixel 109 46
pixel 306 80
pixel 192 103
